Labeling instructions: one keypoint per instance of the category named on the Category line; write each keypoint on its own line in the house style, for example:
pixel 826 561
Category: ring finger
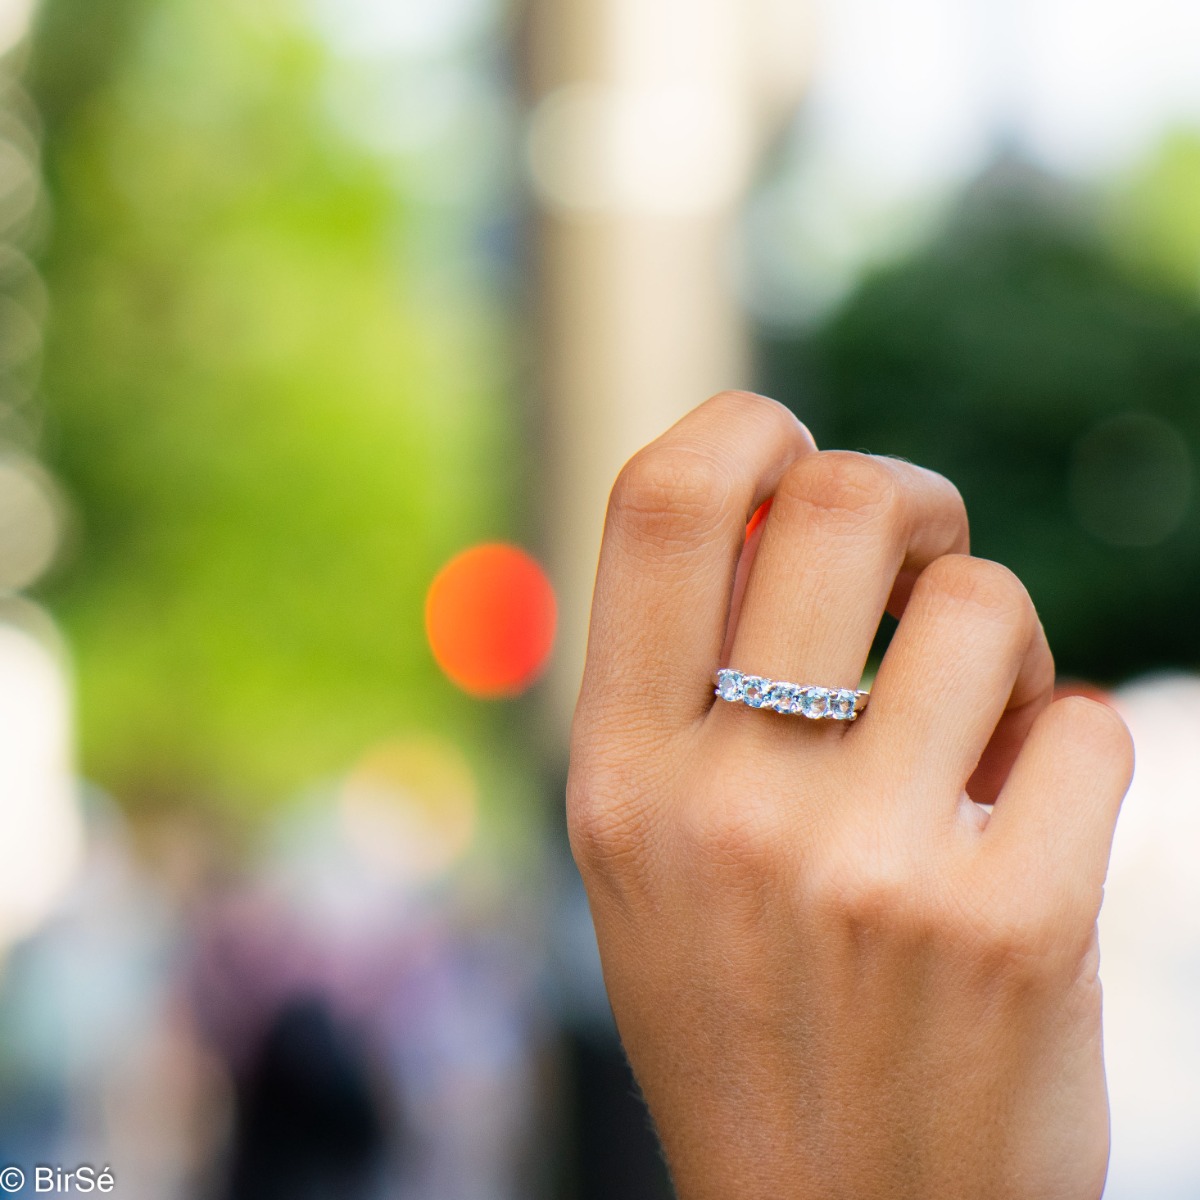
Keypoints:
pixel 845 539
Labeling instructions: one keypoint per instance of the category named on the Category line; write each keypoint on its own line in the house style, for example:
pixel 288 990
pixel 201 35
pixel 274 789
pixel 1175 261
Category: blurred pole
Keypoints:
pixel 648 118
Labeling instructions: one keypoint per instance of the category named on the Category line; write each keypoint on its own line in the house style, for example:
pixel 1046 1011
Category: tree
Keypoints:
pixel 270 433
pixel 1058 388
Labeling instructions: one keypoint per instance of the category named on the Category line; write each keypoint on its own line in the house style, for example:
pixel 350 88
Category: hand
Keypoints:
pixel 834 973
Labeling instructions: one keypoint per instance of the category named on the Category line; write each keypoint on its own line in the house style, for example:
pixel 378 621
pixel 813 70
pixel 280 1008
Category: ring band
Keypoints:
pixel 792 699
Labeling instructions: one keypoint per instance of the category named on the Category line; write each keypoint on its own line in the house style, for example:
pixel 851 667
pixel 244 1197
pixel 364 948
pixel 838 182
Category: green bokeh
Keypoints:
pixel 992 353
pixel 270 433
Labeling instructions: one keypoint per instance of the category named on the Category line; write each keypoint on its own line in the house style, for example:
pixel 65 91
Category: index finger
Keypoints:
pixel 673 535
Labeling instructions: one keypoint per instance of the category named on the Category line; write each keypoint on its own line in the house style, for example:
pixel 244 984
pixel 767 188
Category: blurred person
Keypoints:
pixel 309 1125
pixel 836 968
pixel 102 1060
pixel 383 1034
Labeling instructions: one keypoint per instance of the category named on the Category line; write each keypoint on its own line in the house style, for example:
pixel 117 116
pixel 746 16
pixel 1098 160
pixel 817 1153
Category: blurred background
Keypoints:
pixel 324 327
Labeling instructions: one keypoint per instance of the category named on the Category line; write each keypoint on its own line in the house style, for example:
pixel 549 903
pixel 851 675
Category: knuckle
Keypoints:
pixel 724 832
pixel 1098 730
pixel 870 894
pixel 1021 936
pixel 1004 940
pixel 666 494
pixel 603 834
pixel 985 585
pixel 1021 943
pixel 753 406
pixel 844 483
pixel 951 503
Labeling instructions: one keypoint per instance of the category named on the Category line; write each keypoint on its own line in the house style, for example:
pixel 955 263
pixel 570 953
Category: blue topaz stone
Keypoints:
pixel 815 703
pixel 754 690
pixel 784 697
pixel 842 705
pixel 729 685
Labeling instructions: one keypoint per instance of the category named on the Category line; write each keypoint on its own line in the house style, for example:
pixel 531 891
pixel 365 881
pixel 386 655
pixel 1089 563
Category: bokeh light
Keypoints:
pixel 14 22
pixel 40 821
pixel 760 515
pixel 1131 479
pixel 490 615
pixel 30 521
pixel 409 808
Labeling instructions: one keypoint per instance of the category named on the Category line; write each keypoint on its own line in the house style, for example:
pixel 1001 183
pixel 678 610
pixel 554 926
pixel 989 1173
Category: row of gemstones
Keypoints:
pixel 835 704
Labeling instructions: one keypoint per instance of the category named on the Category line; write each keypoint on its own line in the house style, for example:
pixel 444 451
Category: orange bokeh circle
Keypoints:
pixel 759 516
pixel 490 615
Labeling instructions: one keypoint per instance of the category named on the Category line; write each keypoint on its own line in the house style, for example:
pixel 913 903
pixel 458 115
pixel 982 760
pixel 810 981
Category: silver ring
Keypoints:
pixel 792 699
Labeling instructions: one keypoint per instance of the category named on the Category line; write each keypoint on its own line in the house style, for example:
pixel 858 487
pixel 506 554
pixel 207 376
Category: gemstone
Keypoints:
pixel 815 703
pixel 783 697
pixel 841 705
pixel 754 690
pixel 729 685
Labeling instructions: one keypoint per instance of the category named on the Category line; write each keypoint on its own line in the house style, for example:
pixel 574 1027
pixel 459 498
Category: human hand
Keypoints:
pixel 836 975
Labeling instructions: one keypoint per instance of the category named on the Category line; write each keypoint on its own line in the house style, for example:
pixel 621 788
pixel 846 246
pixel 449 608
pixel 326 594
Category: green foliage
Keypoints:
pixel 1154 217
pixel 271 436
pixel 996 356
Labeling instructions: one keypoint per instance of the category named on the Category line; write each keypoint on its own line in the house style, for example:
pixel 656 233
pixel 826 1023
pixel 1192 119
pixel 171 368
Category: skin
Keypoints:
pixel 834 973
